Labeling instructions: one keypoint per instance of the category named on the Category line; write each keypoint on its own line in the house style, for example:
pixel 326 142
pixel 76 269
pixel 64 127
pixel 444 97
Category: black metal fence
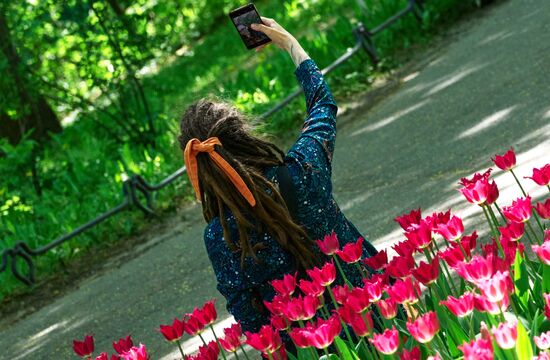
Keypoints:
pixel 136 184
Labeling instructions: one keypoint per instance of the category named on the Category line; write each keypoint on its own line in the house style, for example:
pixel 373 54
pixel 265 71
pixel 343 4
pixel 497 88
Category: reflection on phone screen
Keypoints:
pixel 242 22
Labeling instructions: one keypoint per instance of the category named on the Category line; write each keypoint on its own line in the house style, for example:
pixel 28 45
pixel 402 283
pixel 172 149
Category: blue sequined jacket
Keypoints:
pixel 309 164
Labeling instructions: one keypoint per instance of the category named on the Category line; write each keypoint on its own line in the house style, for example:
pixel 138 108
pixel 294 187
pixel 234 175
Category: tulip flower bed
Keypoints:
pixel 443 296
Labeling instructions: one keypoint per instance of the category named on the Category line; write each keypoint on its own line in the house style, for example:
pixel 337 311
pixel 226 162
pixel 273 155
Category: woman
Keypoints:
pixel 252 238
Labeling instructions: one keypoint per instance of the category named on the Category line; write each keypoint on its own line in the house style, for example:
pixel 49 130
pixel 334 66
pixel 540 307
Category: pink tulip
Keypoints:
pixel 427 273
pixel 543 209
pixel 543 251
pixel 512 231
pixel 547 305
pixel 461 307
pixel 84 348
pixel 438 218
pixel 207 352
pixel 546 235
pixel 374 288
pixel 543 355
pixel 362 324
pixel 404 248
pixel 377 261
pixel 267 340
pixel 414 354
pixel 324 276
pixel 135 353
pixel 520 211
pixel 406 220
pixel 480 349
pixel 388 308
pixel 279 322
pixel 300 337
pixel 404 291
pixel 329 245
pixel 123 345
pixel 102 356
pixel 542 341
pixel 321 335
pixel 341 293
pixel 352 252
pixel 286 285
pixel 311 288
pixel 494 308
pixel 424 328
pixel 420 235
pixel 278 302
pixel 170 332
pixel 232 340
pixel 301 308
pixel 478 268
pixel 541 176
pixel 358 300
pixel 496 287
pixel 452 230
pixel 479 190
pixel 387 342
pixel 507 161
pixel 506 334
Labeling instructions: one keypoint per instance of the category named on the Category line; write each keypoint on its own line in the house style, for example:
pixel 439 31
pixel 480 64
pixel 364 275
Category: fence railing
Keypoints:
pixel 136 184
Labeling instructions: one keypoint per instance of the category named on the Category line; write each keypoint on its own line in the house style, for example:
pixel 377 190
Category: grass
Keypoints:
pixel 82 169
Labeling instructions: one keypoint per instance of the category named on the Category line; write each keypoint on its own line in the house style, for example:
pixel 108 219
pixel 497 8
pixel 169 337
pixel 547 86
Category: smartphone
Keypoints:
pixel 242 18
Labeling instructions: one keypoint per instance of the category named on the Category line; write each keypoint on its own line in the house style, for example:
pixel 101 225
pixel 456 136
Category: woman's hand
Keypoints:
pixel 282 38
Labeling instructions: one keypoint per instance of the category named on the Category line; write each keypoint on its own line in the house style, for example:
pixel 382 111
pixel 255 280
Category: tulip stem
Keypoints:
pixel 204 342
pixel 495 234
pixel 548 186
pixel 500 212
pixel 341 270
pixel 451 281
pixel 533 231
pixel 363 275
pixel 517 181
pixel 244 352
pixel 344 325
pixel 234 353
pixel 181 350
pixel 493 216
pixel 218 342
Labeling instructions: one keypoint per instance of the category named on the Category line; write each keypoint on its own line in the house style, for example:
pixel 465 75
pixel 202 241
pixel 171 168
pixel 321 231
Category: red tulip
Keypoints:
pixel 171 332
pixel 301 308
pixel 362 324
pixel 232 340
pixel 116 357
pixel 192 325
pixel 480 349
pixel 452 230
pixel 324 276
pixel 483 305
pixel 506 334
pixel 461 307
pixel 400 266
pixel 420 235
pixel 541 176
pixel 102 356
pixel 387 342
pixel 547 305
pixel 404 248
pixel 438 218
pixel 542 341
pixel 321 335
pixel 329 245
pixel 496 287
pixel 414 354
pixel 475 178
pixel 267 340
pixel 286 286
pixel 478 268
pixel 207 314
pixel 543 209
pixel 543 251
pixel 276 305
pixel 388 308
pixel 424 328
pixel 84 348
pixel 352 252
pixel 207 352
pixel 123 345
pixel 341 293
pixel 512 231
pixel 507 161
pixel 358 300
pixel 520 211
pixel 546 235
pixel 406 220
pixel 427 273
pixel 404 291
pixel 378 261
pixel 279 322
pixel 136 353
pixel 311 288
pixel 481 192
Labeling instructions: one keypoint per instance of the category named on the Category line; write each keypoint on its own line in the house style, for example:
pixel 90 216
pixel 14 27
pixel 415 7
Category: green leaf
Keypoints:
pixel 521 281
pixel 347 352
pixel 524 349
pixel 545 278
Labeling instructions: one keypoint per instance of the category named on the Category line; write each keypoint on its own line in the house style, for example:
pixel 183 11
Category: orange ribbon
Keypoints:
pixel 195 146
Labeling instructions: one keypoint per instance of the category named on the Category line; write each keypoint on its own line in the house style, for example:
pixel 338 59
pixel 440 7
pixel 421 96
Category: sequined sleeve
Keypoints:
pixel 320 123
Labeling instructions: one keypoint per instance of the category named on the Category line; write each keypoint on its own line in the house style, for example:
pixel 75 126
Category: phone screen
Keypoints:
pixel 243 18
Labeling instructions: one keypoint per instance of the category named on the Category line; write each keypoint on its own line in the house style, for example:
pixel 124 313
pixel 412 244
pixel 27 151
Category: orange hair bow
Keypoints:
pixel 195 146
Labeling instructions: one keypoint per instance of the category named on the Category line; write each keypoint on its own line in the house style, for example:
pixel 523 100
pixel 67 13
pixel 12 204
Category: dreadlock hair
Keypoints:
pixel 247 154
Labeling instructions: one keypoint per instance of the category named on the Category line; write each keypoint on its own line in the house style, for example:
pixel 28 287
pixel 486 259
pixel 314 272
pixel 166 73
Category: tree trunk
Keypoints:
pixel 38 114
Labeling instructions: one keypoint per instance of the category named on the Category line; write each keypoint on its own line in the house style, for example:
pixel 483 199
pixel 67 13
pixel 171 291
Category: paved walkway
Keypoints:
pixel 486 91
